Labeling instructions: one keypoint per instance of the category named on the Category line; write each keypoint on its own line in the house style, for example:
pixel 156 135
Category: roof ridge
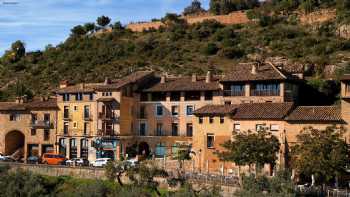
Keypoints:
pixel 276 69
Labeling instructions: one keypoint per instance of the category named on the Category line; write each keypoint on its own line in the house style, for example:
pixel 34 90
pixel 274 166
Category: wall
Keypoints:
pixel 238 17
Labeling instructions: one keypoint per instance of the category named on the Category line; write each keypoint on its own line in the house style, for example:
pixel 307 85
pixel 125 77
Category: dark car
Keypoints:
pixel 33 160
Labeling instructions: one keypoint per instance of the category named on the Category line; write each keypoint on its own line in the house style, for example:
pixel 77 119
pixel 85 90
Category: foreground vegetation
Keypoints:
pixel 177 48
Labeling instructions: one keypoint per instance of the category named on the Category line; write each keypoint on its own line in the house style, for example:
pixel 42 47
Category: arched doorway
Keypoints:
pixel 143 149
pixel 14 140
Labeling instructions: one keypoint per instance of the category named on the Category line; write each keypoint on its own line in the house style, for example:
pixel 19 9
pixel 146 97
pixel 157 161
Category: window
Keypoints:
pixel 175 96
pixel 142 112
pixel 142 129
pixel 75 108
pixel 47 118
pixel 159 130
pixel 175 129
pixel 200 120
pixel 210 140
pixel 84 148
pixel 234 90
pixel 34 118
pixel 65 97
pixel 75 125
pixel 86 111
pixel 86 128
pixel 158 96
pixel 260 127
pixel 79 96
pixel 237 127
pixel 33 132
pixel 274 127
pixel 192 96
pixel 66 112
pixel 211 119
pixel 222 119
pixel 14 117
pixel 65 128
pixel 73 148
pixel 106 93
pixel 268 89
pixel 159 110
pixel 46 134
pixel 208 95
pixel 174 110
pixel 189 129
pixel 189 110
pixel 91 96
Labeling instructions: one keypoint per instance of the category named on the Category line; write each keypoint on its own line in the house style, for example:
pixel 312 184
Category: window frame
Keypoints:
pixel 156 112
pixel 193 109
pixel 211 135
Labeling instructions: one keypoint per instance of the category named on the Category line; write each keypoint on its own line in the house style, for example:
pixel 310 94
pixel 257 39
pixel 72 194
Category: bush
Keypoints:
pixel 231 52
pixel 210 49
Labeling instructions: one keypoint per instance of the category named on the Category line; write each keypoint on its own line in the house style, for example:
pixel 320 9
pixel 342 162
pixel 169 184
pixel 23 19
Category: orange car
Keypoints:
pixel 53 159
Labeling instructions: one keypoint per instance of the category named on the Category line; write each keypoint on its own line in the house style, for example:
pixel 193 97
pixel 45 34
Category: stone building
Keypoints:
pixel 28 127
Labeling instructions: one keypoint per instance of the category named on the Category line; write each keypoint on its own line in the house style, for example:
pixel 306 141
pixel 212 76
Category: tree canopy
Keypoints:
pixel 322 153
pixel 249 148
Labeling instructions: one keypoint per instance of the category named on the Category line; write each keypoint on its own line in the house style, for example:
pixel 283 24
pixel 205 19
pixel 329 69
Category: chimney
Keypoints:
pixel 208 78
pixel 163 79
pixel 24 98
pixel 18 100
pixel 194 77
pixel 107 81
pixel 64 84
pixel 254 69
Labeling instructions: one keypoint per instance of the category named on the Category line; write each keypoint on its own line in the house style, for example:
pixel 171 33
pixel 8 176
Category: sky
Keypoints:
pixel 42 22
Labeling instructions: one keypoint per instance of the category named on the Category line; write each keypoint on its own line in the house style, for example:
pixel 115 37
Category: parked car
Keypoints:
pixel 133 162
pixel 100 162
pixel 53 159
pixel 33 160
pixel 77 162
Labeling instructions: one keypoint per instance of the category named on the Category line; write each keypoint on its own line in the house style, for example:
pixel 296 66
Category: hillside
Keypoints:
pixel 177 48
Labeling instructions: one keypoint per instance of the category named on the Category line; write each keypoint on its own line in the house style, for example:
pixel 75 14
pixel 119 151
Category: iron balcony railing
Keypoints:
pixel 265 92
pixel 109 116
pixel 233 93
pixel 42 124
pixel 106 132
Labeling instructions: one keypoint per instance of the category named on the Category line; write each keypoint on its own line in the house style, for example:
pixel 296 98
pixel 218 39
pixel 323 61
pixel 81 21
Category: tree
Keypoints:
pixel 89 27
pixel 19 49
pixel 103 21
pixel 322 154
pixel 194 8
pixel 227 6
pixel 117 26
pixel 78 30
pixel 249 148
pixel 115 170
pixel 146 172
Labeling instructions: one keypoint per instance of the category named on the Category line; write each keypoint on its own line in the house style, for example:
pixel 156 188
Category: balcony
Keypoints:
pixel 233 93
pixel 41 124
pixel 106 132
pixel 275 92
pixel 109 116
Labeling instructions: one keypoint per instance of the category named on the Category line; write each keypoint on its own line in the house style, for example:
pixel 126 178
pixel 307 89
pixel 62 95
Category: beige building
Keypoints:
pixel 28 127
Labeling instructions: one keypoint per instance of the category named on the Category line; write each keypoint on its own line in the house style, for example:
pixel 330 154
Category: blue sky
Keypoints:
pixel 42 22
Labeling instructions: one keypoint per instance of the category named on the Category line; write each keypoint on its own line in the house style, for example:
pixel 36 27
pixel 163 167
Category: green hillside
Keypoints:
pixel 178 48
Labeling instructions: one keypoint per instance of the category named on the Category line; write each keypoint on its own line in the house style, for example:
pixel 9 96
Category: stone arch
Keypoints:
pixel 143 149
pixel 14 140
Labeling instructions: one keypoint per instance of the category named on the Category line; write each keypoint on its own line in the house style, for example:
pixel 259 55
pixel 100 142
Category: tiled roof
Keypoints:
pixel 216 110
pixel 185 84
pixel 12 106
pixel 345 77
pixel 115 85
pixel 265 111
pixel 106 100
pixel 256 111
pixel 243 72
pixel 39 104
pixel 35 104
pixel 315 113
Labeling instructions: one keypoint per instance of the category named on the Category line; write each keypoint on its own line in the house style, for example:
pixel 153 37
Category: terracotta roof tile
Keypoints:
pixel 265 111
pixel 31 105
pixel 184 84
pixel 12 106
pixel 115 85
pixel 345 77
pixel 216 110
pixel 243 72
pixel 315 113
